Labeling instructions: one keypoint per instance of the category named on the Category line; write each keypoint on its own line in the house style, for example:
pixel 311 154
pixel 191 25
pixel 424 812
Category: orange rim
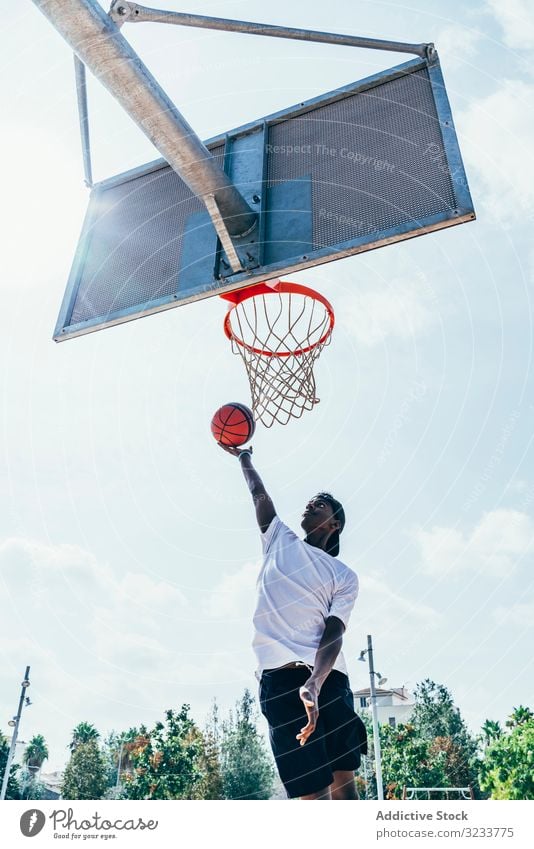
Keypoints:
pixel 278 287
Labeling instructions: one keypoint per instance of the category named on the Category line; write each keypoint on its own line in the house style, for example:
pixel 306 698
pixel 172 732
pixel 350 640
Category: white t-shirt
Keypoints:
pixel 299 586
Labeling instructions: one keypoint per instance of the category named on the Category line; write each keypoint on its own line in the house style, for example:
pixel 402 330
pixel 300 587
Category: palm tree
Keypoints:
pixel 519 716
pixel 83 733
pixel 35 753
pixel 492 731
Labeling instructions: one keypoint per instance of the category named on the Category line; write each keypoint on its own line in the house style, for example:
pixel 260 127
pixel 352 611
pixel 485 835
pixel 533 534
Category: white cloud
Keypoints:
pixel 497 138
pixel 113 648
pixel 234 595
pixel 400 624
pixel 65 593
pixel 457 42
pixel 400 619
pixel 518 485
pixel 47 204
pixel 388 606
pixel 140 590
pixel 516 20
pixel 67 574
pixel 40 575
pixel 401 310
pixel 494 546
pixel 518 615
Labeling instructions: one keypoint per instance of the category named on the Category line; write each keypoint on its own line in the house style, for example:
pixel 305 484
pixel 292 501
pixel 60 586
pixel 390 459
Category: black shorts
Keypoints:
pixel 339 738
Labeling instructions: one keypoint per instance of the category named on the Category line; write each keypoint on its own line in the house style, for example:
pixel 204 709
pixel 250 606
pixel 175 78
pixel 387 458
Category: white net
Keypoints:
pixel 279 334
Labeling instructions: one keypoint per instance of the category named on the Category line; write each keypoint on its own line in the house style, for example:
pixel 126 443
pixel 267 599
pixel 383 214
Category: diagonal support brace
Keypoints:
pixel 122 11
pixel 97 42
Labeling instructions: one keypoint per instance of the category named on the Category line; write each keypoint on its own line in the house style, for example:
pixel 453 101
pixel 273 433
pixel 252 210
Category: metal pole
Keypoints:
pixel 122 11
pixel 81 94
pixel 24 685
pixel 97 42
pixel 376 731
pixel 117 783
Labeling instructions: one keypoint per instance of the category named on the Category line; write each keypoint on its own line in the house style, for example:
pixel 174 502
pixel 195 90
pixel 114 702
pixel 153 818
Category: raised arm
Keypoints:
pixel 263 504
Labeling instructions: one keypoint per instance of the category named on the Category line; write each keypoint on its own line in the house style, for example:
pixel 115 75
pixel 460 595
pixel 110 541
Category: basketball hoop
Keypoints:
pixel 279 329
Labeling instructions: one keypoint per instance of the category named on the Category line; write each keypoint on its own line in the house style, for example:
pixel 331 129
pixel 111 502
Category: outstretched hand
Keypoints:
pixel 309 695
pixel 234 450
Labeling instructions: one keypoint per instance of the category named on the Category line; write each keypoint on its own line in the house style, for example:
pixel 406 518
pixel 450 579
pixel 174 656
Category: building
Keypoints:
pixel 52 783
pixel 394 706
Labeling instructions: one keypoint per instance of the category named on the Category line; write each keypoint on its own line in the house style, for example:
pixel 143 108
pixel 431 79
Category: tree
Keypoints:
pixel 434 749
pixel 507 771
pixel 85 776
pixel 166 762
pixel 491 731
pixel 30 786
pixel 366 780
pixel 116 751
pixel 84 732
pixel 519 716
pixel 435 714
pixel 209 784
pixel 210 767
pixel 13 790
pixel 246 767
pixel 35 753
pixel 408 759
pixel 436 719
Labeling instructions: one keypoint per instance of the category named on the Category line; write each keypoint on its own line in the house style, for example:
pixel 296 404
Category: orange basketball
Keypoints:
pixel 233 424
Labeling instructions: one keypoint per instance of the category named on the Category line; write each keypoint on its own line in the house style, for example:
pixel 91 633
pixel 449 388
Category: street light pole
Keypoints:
pixel 118 782
pixel 376 731
pixel 25 683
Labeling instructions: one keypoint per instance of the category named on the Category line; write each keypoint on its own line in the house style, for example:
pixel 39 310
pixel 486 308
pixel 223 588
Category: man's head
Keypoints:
pixel 324 513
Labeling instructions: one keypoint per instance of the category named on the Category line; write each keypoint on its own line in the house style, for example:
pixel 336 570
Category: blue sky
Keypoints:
pixel 128 548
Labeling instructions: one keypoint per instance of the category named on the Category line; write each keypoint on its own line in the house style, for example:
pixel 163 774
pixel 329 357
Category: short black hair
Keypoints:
pixel 337 507
pixel 339 514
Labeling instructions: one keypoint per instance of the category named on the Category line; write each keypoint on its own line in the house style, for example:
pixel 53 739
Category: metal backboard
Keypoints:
pixel 372 163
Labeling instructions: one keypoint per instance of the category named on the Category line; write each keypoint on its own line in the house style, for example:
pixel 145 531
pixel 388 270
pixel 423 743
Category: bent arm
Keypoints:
pixel 327 652
pixel 263 504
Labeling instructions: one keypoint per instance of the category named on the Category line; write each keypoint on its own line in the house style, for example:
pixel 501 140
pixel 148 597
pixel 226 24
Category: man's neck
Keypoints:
pixel 318 539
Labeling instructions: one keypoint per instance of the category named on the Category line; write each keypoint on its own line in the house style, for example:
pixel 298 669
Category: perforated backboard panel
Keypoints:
pixel 364 156
pixel 134 243
pixel 352 170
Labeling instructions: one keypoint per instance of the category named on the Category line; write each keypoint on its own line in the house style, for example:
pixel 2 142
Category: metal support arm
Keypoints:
pixel 122 11
pixel 81 93
pixel 97 42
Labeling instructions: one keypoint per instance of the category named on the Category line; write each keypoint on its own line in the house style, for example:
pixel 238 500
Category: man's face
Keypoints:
pixel 318 513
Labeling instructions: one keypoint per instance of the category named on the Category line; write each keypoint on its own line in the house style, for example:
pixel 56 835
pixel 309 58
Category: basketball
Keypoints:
pixel 233 424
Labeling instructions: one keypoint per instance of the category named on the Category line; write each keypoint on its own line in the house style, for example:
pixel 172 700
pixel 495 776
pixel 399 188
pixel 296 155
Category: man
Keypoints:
pixel 305 597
